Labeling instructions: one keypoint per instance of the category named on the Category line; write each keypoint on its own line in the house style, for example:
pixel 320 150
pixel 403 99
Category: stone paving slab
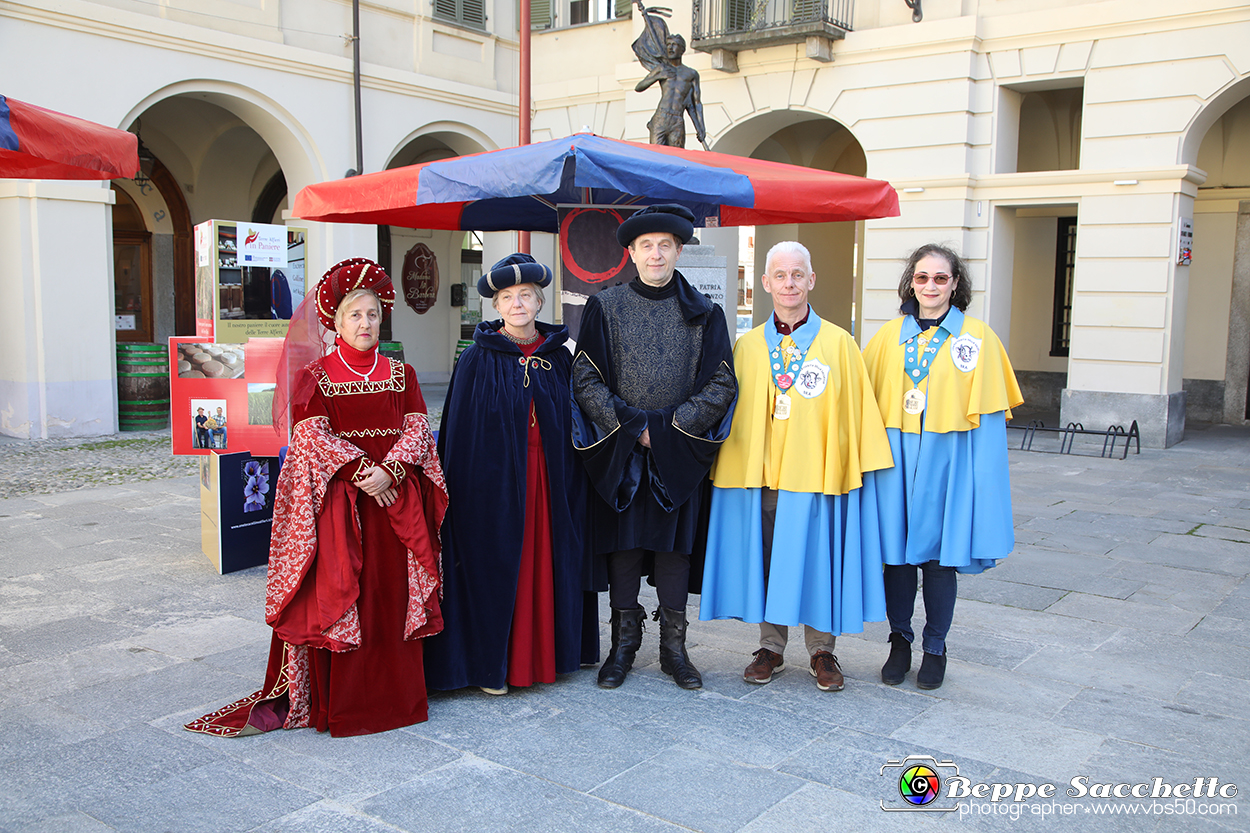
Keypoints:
pixel 1112 644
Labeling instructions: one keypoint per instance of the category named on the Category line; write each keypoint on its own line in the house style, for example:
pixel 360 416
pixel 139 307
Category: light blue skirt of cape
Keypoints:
pixel 948 498
pixel 822 573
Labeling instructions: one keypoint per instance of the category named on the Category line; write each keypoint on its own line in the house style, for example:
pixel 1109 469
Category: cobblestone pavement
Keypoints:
pixel 41 467
pixel 44 467
pixel 1111 648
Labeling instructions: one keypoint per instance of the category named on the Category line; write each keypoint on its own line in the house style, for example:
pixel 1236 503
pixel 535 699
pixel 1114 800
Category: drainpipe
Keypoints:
pixel 360 152
pixel 523 243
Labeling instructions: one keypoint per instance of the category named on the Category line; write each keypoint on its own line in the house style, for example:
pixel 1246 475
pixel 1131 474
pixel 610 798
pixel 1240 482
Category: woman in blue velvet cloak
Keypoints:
pixel 514 564
pixel 945 389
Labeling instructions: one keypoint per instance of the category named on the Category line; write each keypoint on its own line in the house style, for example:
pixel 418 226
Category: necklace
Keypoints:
pixel 516 340
pixel 364 376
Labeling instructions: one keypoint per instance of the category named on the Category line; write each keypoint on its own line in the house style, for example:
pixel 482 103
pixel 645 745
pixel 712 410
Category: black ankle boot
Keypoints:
pixel 899 661
pixel 627 626
pixel 673 658
pixel 932 671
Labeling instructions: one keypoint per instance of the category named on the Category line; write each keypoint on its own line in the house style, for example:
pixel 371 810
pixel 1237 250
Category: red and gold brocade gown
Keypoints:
pixel 353 585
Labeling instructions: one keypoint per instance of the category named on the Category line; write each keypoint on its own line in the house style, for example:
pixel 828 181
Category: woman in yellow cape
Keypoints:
pixel 945 389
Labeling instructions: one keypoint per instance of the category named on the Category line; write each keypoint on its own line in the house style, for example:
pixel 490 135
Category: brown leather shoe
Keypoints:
pixel 763 667
pixel 827 672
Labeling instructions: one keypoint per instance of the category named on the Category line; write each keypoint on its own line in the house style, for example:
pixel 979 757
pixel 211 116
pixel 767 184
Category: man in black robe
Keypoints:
pixel 654 385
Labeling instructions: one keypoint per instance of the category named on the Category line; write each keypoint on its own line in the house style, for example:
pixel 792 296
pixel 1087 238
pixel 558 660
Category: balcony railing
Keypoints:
pixel 734 25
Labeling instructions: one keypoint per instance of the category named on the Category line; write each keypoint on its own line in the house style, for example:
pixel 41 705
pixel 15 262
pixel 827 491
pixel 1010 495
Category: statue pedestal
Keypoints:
pixel 708 272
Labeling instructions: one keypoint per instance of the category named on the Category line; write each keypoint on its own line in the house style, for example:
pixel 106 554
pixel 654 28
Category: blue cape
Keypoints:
pixel 483 442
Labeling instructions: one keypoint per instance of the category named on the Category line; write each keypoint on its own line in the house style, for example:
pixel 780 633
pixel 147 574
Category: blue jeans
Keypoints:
pixel 939 602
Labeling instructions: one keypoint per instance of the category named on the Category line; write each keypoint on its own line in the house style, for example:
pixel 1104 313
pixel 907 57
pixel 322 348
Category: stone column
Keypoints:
pixel 58 360
pixel 1128 314
pixel 708 271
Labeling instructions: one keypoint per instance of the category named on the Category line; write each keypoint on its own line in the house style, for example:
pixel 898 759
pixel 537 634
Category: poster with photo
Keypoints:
pixel 208 417
pixel 217 393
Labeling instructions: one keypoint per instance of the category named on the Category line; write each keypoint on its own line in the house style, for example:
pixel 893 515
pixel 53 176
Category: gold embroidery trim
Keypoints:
pixel 618 421
pixel 371 432
pixel 353 388
pixel 365 463
pixel 396 470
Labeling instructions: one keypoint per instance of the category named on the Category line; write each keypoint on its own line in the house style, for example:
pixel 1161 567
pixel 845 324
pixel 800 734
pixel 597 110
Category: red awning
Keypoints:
pixel 37 143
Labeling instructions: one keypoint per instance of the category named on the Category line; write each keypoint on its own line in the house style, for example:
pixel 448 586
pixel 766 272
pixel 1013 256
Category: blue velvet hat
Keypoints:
pixel 513 269
pixel 674 219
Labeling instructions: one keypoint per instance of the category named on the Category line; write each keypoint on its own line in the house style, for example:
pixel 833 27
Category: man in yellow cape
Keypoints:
pixel 784 543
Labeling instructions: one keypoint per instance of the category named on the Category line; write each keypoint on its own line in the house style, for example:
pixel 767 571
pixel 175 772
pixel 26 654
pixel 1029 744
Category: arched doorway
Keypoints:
pixel 1217 314
pixel 132 271
pixel 430 338
pixel 205 162
pixel 813 141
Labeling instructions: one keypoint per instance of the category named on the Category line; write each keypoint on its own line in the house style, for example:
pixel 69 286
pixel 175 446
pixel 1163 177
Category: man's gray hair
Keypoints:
pixel 789 247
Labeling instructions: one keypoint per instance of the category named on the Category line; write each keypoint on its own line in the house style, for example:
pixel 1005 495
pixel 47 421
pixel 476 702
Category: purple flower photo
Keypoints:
pixel 256 485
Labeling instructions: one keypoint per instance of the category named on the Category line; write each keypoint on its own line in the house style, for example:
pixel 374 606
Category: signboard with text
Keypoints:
pixel 261 244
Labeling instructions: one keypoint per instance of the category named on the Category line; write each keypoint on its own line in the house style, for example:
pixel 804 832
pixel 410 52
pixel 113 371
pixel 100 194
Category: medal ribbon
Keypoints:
pixel 786 353
pixel 917 359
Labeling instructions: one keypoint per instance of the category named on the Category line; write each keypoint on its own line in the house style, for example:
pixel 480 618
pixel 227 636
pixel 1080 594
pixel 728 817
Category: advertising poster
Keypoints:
pixel 261 244
pixel 221 396
pixel 250 278
pixel 236 506
pixel 591 260
pixel 590 257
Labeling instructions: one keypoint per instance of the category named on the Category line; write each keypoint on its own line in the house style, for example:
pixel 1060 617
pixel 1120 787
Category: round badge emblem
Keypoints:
pixel 919 785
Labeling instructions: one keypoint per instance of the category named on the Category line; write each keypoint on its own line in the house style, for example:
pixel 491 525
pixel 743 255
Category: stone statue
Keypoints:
pixel 661 53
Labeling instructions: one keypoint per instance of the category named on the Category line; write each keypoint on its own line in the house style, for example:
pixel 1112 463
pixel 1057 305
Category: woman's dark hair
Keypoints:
pixel 961 297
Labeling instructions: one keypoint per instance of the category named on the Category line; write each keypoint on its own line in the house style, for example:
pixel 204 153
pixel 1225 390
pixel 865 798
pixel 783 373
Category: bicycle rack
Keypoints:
pixel 1073 429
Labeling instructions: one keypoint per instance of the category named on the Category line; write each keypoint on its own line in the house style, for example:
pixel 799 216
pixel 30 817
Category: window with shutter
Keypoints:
pixel 738 15
pixel 807 10
pixel 470 13
pixel 540 14
pixel 473 13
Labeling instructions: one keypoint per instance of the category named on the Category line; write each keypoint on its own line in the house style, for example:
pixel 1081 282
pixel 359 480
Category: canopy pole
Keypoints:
pixel 523 238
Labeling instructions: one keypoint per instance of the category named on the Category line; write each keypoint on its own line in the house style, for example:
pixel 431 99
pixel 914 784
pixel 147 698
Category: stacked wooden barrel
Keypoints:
pixel 142 387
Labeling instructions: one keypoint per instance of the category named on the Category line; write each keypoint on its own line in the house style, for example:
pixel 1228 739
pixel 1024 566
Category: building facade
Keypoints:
pixel 1064 147
pixel 239 105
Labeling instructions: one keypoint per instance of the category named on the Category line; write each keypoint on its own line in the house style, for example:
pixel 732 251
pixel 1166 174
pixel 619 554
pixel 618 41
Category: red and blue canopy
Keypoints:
pixel 37 143
pixel 519 188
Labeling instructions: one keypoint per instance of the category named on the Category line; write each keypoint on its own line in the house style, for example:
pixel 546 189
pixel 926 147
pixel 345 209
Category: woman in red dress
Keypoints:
pixel 353 564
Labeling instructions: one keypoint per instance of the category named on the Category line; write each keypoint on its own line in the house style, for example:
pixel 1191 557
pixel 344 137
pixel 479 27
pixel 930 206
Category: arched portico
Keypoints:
pixel 289 141
pixel 812 140
pixel 1217 331
pixel 430 337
